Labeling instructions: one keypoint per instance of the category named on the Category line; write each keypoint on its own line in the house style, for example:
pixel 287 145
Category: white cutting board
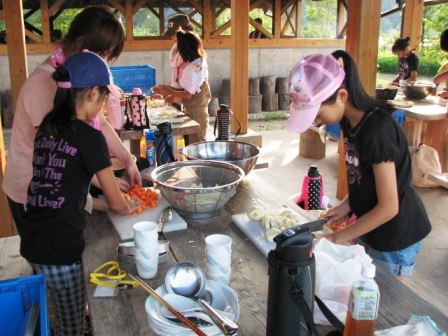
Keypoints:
pixel 165 113
pixel 255 231
pixel 124 224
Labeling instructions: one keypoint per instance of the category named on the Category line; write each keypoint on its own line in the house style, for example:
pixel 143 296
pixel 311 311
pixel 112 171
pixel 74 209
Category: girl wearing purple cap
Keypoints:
pixel 67 153
pixel 391 218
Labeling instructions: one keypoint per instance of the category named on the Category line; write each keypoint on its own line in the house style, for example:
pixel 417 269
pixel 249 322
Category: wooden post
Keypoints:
pixel 412 22
pixel 13 15
pixel 362 45
pixel 239 64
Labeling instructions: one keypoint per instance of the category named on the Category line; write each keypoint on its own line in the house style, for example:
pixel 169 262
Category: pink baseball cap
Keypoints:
pixel 312 81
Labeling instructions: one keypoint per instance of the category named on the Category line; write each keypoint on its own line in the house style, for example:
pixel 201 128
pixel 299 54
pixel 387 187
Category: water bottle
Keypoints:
pixel 114 114
pixel 223 119
pixel 363 304
pixel 138 105
pixel 314 189
pixel 180 150
pixel 150 148
pixel 143 144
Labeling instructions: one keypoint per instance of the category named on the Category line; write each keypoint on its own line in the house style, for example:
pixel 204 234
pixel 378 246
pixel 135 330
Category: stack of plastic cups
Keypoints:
pixel 146 249
pixel 218 258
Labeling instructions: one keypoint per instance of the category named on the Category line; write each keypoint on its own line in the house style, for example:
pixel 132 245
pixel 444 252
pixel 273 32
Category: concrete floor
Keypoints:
pixel 286 171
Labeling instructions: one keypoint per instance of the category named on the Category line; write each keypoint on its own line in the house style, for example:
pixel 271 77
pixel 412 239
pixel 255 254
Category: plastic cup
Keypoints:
pixel 218 243
pixel 222 278
pixel 217 269
pixel 146 254
pixel 222 259
pixel 146 244
pixel 144 231
pixel 147 268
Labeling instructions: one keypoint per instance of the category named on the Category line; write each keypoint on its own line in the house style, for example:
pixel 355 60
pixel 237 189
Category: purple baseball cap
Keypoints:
pixel 312 81
pixel 87 69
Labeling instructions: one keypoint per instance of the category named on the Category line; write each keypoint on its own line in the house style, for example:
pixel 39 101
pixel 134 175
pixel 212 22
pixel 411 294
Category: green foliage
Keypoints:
pixel 275 116
pixel 319 19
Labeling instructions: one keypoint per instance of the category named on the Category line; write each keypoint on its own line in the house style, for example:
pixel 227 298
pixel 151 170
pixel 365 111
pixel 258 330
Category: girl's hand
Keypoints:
pixel 338 213
pixel 169 100
pixel 133 203
pixel 123 184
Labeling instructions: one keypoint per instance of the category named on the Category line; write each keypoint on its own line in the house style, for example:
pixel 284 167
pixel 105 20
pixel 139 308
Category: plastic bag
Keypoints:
pixel 337 267
pixel 425 160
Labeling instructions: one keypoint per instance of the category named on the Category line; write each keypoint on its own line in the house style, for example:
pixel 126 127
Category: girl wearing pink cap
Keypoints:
pixel 391 218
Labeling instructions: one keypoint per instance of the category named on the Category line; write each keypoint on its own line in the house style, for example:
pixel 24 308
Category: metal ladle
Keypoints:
pixel 188 279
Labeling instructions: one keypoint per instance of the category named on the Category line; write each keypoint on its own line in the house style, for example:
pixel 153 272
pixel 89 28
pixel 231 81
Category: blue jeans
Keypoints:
pixel 399 262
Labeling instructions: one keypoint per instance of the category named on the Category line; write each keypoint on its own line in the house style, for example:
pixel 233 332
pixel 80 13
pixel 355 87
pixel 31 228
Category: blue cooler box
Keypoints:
pixel 134 76
pixel 17 297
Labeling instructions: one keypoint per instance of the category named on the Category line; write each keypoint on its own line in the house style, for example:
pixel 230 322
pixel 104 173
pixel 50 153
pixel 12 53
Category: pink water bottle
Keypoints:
pixel 114 114
pixel 138 109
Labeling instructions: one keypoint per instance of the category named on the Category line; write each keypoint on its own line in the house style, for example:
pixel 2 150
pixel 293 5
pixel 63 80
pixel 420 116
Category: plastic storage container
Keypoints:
pixel 132 76
pixel 17 297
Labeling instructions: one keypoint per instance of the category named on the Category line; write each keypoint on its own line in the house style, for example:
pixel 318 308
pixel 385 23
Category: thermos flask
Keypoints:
pixel 223 119
pixel 292 269
pixel 314 189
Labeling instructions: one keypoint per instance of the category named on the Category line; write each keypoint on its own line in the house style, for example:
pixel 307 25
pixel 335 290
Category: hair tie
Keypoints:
pixel 64 85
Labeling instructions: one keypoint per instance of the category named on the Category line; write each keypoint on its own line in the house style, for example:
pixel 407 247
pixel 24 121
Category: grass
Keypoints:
pixel 275 116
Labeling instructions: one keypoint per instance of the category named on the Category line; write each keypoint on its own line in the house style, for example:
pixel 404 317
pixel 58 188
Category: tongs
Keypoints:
pixel 225 325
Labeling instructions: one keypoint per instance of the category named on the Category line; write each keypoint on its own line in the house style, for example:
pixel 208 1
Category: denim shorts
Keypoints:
pixel 399 262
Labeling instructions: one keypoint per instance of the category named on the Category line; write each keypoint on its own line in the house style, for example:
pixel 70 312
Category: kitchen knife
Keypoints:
pixel 165 216
pixel 316 225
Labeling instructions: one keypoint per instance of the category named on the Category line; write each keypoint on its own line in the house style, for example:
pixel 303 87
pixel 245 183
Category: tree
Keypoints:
pixel 319 19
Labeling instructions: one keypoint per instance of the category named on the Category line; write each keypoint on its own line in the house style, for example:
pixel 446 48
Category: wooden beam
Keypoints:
pixel 277 22
pixel 18 70
pixel 362 45
pixel 239 64
pixel 412 22
pixel 46 38
pixel 207 19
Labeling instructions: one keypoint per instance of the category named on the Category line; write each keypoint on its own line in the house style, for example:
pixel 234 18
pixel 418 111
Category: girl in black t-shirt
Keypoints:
pixel 391 219
pixel 407 61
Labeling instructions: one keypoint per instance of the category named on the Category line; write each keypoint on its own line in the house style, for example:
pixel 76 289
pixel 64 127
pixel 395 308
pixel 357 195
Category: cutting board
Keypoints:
pixel 123 224
pixel 255 231
pixel 165 113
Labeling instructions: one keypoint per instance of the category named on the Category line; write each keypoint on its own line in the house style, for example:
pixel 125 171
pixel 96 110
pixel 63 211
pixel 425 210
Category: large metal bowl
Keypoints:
pixel 416 90
pixel 199 188
pixel 241 154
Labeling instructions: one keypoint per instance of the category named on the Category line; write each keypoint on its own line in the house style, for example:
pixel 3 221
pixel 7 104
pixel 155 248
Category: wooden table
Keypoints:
pixel 125 313
pixel 188 126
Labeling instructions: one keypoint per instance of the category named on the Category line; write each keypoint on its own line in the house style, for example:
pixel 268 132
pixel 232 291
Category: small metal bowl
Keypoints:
pixel 185 279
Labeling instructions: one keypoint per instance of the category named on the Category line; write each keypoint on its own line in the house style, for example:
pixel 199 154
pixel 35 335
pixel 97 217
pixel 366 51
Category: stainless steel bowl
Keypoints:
pixel 241 154
pixel 199 188
pixel 417 90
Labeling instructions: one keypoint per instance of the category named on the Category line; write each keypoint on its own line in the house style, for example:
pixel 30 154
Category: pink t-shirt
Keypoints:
pixel 34 102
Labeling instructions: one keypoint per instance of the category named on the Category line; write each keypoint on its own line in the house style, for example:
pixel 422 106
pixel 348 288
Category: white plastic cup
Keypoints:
pixel 146 268
pixel 146 244
pixel 217 269
pixel 218 243
pixel 222 278
pixel 222 259
pixel 145 230
pixel 147 254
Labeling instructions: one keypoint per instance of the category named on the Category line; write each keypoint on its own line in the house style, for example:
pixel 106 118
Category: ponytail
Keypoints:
pixel 359 98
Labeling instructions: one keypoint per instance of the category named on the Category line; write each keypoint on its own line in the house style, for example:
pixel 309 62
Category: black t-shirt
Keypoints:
pixel 379 138
pixel 53 225
pixel 407 65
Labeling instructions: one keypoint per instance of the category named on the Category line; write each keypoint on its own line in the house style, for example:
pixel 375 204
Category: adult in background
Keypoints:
pixel 407 61
pixel 442 73
pixel 179 22
pixel 195 90
pixel 97 30
pixel 256 34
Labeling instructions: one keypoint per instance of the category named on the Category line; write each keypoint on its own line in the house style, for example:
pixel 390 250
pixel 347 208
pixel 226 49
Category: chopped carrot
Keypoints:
pixel 148 196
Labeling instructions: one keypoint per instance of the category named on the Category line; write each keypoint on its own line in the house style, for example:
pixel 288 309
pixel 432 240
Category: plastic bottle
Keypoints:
pixel 143 143
pixel 180 150
pixel 314 188
pixel 150 148
pixel 363 305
